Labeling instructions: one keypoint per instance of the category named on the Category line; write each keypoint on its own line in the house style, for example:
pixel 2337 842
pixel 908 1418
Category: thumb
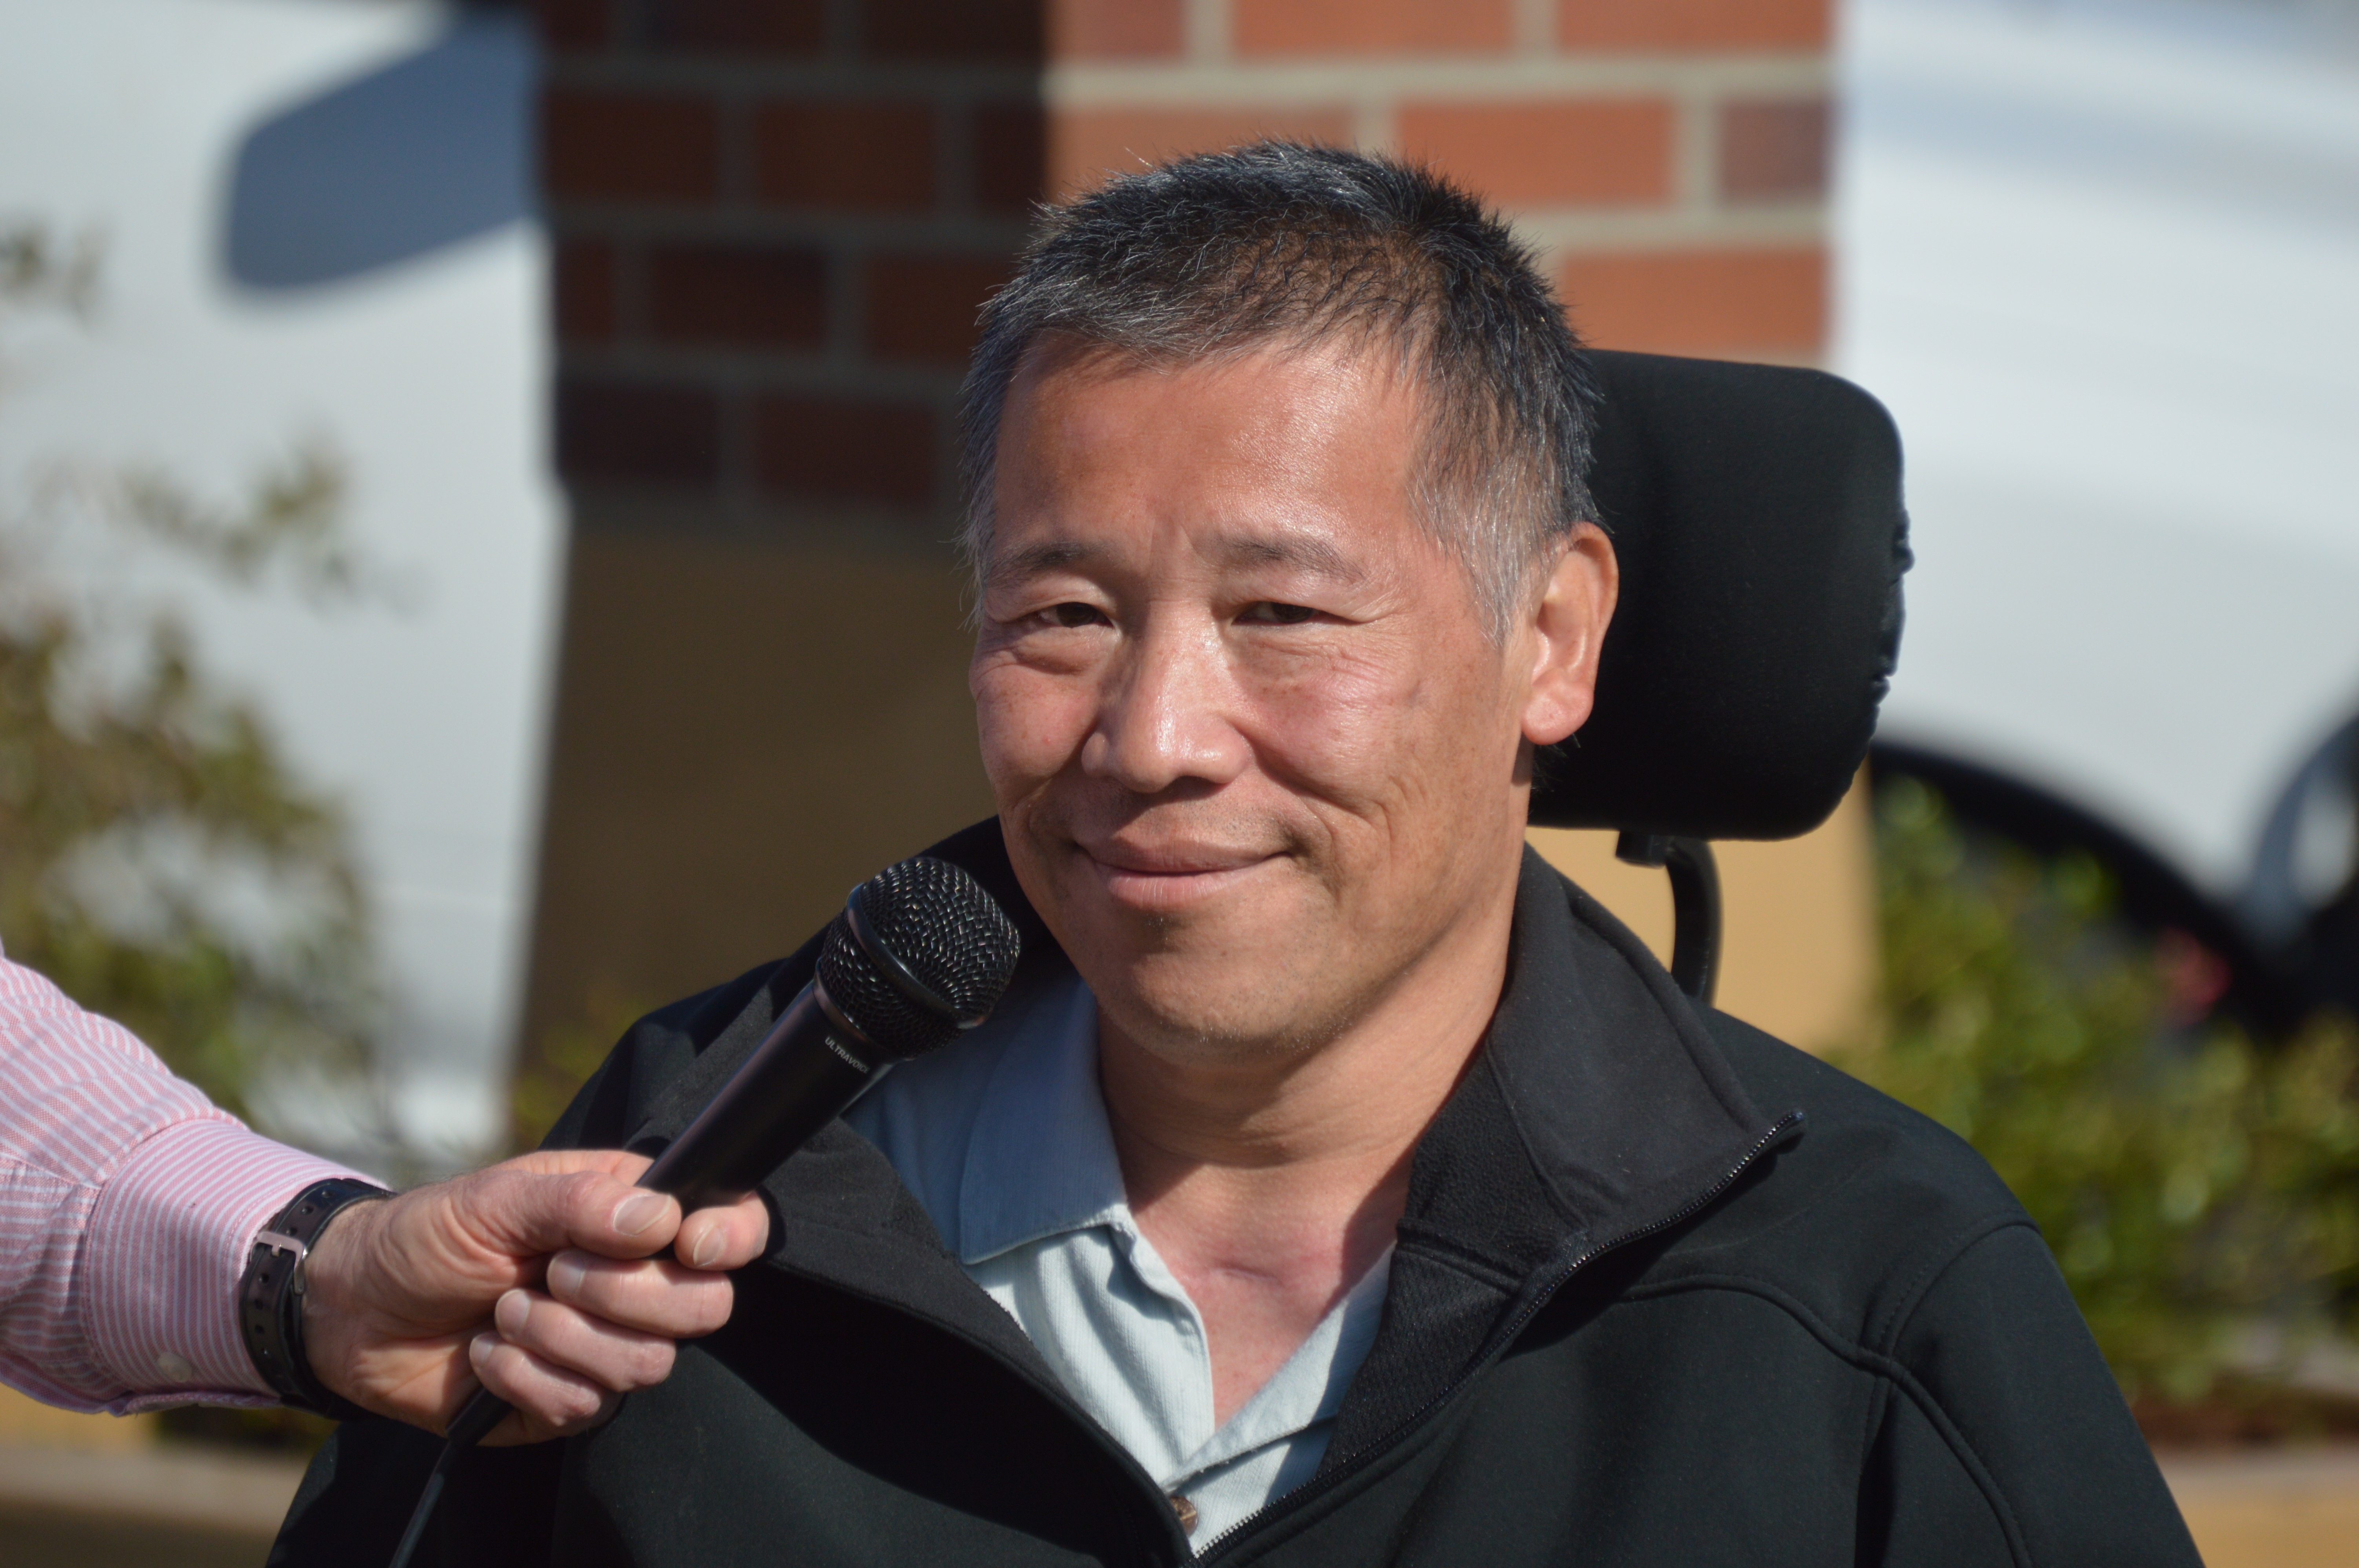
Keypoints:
pixel 546 1202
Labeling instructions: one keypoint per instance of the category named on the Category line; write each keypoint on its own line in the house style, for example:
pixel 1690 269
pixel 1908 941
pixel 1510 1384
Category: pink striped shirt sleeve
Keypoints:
pixel 128 1202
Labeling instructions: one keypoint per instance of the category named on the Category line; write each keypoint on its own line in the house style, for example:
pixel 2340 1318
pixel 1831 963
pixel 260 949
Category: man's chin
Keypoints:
pixel 1200 1014
pixel 1192 981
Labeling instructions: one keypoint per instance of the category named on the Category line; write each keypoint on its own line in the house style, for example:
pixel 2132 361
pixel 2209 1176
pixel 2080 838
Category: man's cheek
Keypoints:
pixel 1336 743
pixel 1028 725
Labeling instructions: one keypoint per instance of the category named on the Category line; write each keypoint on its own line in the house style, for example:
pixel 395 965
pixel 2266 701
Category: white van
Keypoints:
pixel 2100 259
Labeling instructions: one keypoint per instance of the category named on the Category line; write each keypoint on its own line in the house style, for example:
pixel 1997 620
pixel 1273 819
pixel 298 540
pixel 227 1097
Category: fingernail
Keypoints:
pixel 566 1273
pixel 514 1308
pixel 637 1212
pixel 480 1347
pixel 708 1247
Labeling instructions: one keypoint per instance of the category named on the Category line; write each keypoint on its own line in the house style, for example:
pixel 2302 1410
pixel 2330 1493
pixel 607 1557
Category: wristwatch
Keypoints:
pixel 270 1294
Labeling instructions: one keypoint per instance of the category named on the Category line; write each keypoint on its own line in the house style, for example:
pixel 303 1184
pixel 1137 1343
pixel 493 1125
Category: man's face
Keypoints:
pixel 1256 759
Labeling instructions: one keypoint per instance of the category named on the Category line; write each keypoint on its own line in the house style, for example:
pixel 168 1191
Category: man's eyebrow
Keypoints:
pixel 1033 560
pixel 1305 553
pixel 1302 552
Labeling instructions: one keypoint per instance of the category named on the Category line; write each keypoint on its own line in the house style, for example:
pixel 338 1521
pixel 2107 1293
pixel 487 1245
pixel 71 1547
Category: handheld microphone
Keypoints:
pixel 920 955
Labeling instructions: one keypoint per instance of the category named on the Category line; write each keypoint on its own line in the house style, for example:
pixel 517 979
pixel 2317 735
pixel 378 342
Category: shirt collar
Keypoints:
pixel 1041 1160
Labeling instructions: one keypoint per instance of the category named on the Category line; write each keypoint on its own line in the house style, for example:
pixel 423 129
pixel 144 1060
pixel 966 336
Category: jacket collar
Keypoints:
pixel 1597 1111
pixel 1619 1104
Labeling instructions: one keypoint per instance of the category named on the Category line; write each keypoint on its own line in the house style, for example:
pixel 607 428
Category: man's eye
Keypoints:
pixel 1270 614
pixel 1074 614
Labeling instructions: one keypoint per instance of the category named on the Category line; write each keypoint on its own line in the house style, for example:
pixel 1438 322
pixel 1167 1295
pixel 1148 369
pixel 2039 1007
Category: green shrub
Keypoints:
pixel 570 1052
pixel 2195 1183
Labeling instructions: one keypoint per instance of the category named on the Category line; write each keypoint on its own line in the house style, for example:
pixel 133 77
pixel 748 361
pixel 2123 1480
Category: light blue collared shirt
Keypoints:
pixel 1003 1140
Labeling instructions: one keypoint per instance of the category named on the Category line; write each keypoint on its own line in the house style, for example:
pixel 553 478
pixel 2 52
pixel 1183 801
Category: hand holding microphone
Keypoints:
pixel 560 1249
pixel 920 955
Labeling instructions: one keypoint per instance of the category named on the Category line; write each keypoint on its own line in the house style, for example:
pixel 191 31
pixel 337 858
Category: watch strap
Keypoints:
pixel 270 1294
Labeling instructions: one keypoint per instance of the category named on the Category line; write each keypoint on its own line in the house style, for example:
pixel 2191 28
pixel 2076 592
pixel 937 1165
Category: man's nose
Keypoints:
pixel 1168 716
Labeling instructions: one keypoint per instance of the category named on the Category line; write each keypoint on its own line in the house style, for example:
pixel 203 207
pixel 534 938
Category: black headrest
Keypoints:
pixel 1756 513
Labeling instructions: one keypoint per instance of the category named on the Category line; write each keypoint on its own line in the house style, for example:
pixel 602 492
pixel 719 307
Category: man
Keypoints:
pixel 132 1209
pixel 1336 1184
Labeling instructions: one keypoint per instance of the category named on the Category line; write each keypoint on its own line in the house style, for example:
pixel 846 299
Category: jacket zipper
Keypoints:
pixel 1310 1491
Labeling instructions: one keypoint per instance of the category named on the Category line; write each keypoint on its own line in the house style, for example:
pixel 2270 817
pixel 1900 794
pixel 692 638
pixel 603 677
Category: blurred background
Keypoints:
pixel 474 485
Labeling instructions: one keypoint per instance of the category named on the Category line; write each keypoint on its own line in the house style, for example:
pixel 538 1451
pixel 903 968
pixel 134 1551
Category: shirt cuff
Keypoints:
pixel 168 1244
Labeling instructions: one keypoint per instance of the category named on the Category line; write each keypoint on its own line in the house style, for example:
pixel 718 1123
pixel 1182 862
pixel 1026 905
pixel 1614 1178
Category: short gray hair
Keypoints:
pixel 1289 246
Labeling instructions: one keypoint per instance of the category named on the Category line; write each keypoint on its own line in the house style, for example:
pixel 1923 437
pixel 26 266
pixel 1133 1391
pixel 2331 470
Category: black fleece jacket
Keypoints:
pixel 1667 1291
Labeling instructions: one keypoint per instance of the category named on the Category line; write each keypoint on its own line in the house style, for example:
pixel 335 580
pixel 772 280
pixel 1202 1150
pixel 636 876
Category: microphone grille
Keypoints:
pixel 954 947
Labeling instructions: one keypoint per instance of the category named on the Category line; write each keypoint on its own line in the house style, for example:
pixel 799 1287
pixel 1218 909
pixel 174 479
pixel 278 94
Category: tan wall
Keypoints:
pixel 747 731
pixel 1798 949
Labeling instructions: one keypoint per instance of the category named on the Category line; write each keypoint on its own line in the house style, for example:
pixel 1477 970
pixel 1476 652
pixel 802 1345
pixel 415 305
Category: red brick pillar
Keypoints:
pixel 772 222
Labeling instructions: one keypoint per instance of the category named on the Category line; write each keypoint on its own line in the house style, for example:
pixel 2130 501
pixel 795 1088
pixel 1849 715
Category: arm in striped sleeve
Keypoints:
pixel 129 1203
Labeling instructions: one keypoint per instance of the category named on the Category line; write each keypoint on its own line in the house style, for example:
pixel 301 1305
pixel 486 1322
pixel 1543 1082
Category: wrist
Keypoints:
pixel 335 1304
pixel 273 1295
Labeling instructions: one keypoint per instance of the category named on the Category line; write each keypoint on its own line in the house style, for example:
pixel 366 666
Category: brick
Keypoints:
pixel 1003 30
pixel 1085 145
pixel 922 308
pixel 629 147
pixel 1540 154
pixel 635 434
pixel 1700 302
pixel 845 450
pixel 1010 144
pixel 1371 27
pixel 1116 29
pixel 1693 23
pixel 738 295
pixel 736 27
pixel 865 158
pixel 1770 151
pixel 583 285
pixel 573 27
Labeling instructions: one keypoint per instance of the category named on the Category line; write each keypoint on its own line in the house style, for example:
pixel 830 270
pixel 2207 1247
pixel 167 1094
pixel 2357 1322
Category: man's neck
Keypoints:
pixel 1270 1183
pixel 1362 1097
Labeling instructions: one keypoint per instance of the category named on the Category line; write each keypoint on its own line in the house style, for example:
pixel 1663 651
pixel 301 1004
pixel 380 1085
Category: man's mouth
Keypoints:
pixel 1165 876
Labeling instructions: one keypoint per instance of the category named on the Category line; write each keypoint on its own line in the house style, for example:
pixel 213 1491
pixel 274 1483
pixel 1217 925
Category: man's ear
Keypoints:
pixel 1569 624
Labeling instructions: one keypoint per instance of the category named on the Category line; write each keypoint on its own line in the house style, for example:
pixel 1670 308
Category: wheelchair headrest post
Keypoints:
pixel 1695 905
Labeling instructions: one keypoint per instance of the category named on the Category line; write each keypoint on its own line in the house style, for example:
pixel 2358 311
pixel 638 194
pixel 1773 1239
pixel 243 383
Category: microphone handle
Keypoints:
pixel 799 1078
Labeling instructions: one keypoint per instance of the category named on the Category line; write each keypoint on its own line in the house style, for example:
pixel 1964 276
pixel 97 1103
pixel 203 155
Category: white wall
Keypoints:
pixel 430 374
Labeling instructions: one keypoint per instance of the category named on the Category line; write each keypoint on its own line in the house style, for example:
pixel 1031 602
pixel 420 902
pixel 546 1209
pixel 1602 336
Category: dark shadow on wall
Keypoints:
pixel 424 153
